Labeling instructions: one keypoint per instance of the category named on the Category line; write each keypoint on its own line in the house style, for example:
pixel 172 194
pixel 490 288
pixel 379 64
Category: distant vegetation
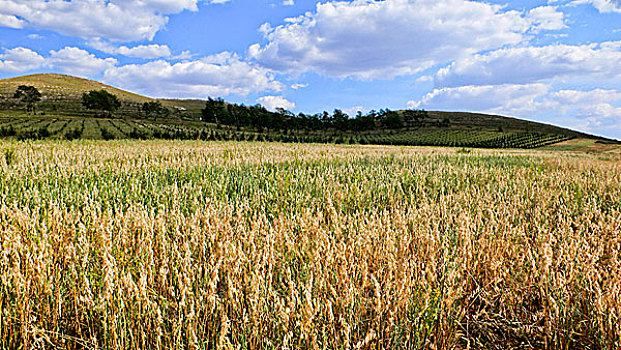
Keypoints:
pixel 101 100
pixel 29 95
pixel 72 108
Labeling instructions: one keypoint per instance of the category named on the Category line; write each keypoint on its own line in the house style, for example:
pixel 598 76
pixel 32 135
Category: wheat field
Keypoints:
pixel 199 245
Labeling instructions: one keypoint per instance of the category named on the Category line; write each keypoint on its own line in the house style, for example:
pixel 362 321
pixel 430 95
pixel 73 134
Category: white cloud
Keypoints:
pixel 531 64
pixel 354 110
pixel 547 18
pixel 20 59
pixel 141 51
pixel 217 75
pixel 273 102
pixel 288 2
pixel 383 39
pixel 71 60
pixel 603 6
pixel 10 21
pixel 79 62
pixel 487 98
pixel 114 20
pixel 298 86
pixel 595 110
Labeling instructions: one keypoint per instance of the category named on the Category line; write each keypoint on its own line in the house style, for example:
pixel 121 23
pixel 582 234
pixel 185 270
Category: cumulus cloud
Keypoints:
pixel 383 39
pixel 115 20
pixel 596 110
pixel 76 61
pixel 273 102
pixel 352 111
pixel 20 59
pixel 487 98
pixel 10 21
pixel 603 6
pixel 521 65
pixel 218 75
pixel 141 51
pixel 71 60
pixel 546 18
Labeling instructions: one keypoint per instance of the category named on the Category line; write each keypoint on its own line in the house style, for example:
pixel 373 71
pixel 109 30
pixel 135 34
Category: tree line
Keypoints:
pixel 258 117
pixel 219 112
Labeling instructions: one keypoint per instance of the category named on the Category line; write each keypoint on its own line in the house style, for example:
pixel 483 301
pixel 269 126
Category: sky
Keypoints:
pixel 557 62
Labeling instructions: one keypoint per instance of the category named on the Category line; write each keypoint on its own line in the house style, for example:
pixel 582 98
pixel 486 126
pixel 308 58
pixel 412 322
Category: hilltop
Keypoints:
pixel 62 92
pixel 61 115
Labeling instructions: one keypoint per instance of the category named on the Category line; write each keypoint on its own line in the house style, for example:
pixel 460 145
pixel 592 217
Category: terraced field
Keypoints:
pixel 60 127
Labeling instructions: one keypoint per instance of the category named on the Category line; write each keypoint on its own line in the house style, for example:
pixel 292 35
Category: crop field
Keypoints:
pixel 68 128
pixel 228 245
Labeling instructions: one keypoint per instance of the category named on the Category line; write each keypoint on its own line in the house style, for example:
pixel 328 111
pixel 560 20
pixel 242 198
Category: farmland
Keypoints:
pixel 61 115
pixel 130 244
pixel 62 127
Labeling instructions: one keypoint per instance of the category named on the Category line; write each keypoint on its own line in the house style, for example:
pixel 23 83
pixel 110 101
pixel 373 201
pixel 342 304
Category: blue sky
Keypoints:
pixel 557 62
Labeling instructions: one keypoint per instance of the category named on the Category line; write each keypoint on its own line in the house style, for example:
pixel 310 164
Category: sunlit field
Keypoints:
pixel 224 245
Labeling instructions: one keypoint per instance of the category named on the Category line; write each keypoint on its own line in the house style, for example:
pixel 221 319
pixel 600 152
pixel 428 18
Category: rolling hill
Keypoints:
pixel 62 93
pixel 61 115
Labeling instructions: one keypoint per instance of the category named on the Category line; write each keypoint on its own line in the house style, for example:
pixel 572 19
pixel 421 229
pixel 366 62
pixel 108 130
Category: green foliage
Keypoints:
pixel 29 95
pixel 101 100
pixel 73 134
pixel 38 134
pixel 7 131
pixel 393 120
pixel 154 109
pixel 107 135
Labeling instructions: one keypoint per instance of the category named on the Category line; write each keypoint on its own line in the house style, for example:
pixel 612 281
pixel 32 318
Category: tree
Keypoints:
pixel 29 95
pixel 155 108
pixel 101 100
pixel 340 119
pixel 393 120
pixel 213 110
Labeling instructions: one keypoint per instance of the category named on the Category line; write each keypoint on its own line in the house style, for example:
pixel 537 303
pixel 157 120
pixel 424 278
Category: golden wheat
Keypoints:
pixel 140 245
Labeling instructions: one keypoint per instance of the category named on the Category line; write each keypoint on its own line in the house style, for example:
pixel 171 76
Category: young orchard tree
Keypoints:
pixel 101 100
pixel 29 95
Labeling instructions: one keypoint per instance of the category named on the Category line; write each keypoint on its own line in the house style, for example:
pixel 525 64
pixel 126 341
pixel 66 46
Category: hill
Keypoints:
pixel 61 115
pixel 62 93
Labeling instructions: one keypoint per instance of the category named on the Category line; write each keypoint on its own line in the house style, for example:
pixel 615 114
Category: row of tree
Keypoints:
pixel 220 112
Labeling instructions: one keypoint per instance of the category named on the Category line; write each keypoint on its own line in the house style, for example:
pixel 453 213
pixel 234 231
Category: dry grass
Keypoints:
pixel 66 86
pixel 137 245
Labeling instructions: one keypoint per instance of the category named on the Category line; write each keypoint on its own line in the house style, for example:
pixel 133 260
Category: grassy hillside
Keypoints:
pixel 62 94
pixel 62 116
pixel 59 86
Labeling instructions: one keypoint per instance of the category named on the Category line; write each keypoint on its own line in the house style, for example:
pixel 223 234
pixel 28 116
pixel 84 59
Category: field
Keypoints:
pixel 25 127
pixel 248 245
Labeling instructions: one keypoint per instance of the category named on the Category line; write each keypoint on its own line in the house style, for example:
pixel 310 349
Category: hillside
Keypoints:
pixel 62 93
pixel 61 115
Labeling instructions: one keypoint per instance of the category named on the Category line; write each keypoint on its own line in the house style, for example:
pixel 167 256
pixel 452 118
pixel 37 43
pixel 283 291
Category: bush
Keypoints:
pixel 107 135
pixel 73 134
